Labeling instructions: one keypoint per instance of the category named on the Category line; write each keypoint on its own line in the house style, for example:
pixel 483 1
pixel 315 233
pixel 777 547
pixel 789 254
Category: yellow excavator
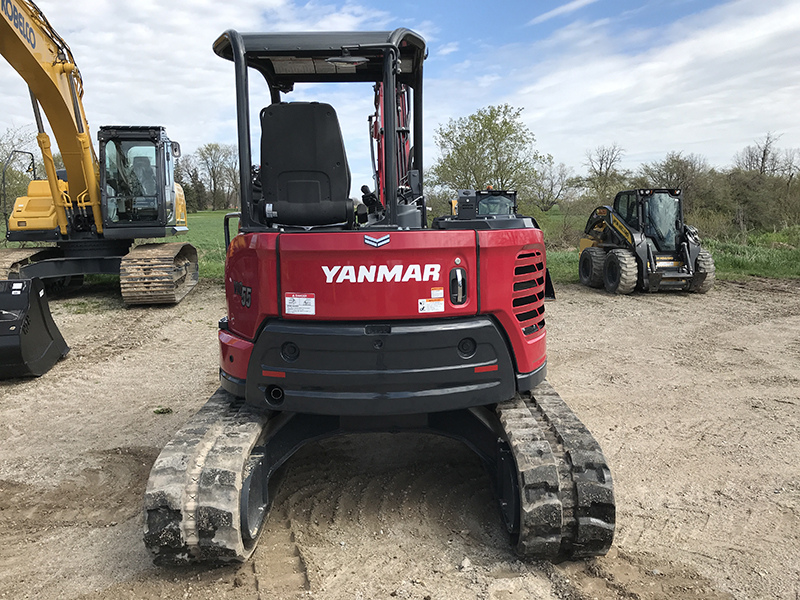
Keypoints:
pixel 85 218
pixel 92 212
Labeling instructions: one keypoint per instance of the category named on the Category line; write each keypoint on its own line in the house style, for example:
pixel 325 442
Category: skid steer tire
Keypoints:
pixel 704 264
pixel 590 268
pixel 620 272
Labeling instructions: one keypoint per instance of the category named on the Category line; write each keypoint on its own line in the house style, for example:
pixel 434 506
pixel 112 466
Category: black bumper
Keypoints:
pixel 380 368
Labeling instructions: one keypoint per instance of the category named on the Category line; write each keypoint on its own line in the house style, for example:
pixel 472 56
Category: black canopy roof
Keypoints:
pixel 288 58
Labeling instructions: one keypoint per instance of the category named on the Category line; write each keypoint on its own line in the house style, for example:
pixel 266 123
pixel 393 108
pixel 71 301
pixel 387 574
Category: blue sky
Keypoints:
pixel 695 76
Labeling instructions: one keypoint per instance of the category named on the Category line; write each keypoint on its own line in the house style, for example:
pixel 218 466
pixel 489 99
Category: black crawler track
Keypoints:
pixel 194 509
pixel 192 503
pixel 158 273
pixel 566 493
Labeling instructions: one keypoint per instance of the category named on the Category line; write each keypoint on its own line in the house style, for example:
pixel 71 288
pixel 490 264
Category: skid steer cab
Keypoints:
pixel 30 342
pixel 642 242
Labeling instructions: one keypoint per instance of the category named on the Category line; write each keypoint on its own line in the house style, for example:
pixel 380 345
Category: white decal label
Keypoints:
pixel 299 304
pixel 437 292
pixel 431 305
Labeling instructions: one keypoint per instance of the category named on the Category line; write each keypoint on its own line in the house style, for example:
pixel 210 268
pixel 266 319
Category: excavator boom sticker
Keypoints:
pixel 17 19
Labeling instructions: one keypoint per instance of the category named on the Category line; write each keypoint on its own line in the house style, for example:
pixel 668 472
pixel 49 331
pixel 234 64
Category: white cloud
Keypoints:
pixel 447 49
pixel 564 9
pixel 709 84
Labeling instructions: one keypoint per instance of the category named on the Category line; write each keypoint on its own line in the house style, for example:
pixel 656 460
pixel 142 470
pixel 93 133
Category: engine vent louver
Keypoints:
pixel 528 291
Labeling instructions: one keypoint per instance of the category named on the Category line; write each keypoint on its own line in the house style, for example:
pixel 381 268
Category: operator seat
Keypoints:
pixel 305 178
pixel 145 174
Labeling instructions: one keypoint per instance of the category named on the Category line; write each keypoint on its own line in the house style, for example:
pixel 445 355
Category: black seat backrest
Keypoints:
pixel 304 171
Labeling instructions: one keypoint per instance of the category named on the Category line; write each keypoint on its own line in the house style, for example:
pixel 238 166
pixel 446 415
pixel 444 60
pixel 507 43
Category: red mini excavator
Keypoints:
pixel 351 315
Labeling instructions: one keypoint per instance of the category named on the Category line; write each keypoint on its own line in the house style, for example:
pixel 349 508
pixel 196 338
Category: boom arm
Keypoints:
pixel 34 49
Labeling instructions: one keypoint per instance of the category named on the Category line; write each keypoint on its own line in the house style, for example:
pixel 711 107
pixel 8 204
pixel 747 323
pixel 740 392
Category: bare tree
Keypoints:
pixel 766 158
pixel 605 177
pixel 689 173
pixel 19 168
pixel 554 184
pixel 230 170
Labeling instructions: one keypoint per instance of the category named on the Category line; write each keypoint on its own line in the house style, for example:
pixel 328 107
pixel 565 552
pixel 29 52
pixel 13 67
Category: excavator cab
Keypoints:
pixel 137 182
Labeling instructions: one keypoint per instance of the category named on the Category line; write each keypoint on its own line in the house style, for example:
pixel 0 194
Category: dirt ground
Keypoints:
pixel 694 399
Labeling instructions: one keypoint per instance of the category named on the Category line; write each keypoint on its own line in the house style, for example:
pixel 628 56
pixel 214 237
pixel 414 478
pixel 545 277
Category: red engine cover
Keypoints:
pixel 398 275
pixel 356 276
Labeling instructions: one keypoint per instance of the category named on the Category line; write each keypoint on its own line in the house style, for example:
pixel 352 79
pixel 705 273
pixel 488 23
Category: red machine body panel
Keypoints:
pixel 359 276
pixel 391 276
pixel 513 267
pixel 251 273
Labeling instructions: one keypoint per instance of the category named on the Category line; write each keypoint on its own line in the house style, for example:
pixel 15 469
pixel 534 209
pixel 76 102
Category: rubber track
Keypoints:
pixel 158 273
pixel 566 491
pixel 11 259
pixel 192 501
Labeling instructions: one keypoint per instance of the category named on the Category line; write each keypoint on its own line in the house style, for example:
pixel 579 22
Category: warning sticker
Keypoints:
pixel 299 304
pixel 431 305
pixel 437 292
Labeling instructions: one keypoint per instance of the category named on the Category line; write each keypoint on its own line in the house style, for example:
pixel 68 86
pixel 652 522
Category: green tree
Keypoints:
pixel 491 147
pixel 216 163
pixel 188 176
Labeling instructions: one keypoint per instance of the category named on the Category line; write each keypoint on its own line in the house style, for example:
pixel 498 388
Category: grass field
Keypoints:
pixel 206 233
pixel 774 255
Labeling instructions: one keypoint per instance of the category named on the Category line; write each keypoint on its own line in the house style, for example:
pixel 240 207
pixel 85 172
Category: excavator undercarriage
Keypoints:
pixel 209 490
pixel 149 274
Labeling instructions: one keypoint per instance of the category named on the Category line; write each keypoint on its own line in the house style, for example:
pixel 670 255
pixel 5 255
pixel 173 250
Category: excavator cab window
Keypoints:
pixel 662 216
pixel 131 182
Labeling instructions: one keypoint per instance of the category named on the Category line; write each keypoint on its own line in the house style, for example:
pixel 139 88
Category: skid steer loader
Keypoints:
pixel 642 241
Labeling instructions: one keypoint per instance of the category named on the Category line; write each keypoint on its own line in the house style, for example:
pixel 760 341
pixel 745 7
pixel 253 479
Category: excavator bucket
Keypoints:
pixel 30 342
